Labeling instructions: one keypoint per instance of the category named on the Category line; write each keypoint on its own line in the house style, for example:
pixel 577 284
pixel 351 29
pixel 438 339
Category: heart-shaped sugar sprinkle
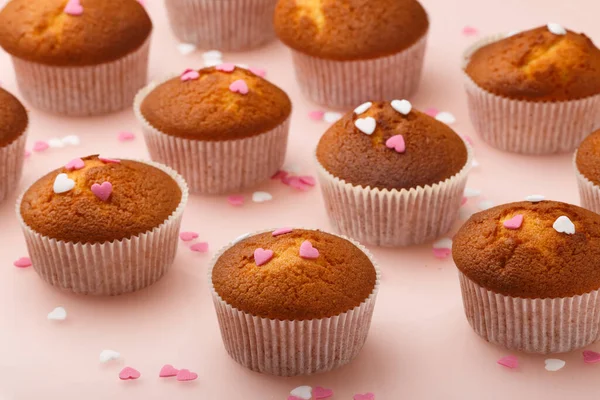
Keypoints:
pixel 75 164
pixel 125 136
pixel 514 223
pixel 23 262
pixel 188 236
pixel 308 180
pixel 308 251
pixel 556 29
pixel 212 55
pixel 201 247
pixel 236 200
pixel 58 314
pixel 366 125
pixel 363 107
pixel 302 392
pixel 102 191
pixel 71 140
pixel 331 116
pixel 591 357
pixel 442 253
pixel 396 142
pixel 74 8
pixel 446 117
pixel 262 256
pixel 316 115
pixel 535 198
pixel 189 75
pixel 40 145
pixel 168 371
pixel 185 375
pixel 364 396
pixel 564 225
pixel 56 143
pixel 109 355
pixel 261 197
pixel 258 71
pixel 554 364
pixel 129 373
pixel 281 231
pixel 186 48
pixel 63 184
pixel 509 362
pixel 227 67
pixel 402 106
pixel 322 393
pixel 240 86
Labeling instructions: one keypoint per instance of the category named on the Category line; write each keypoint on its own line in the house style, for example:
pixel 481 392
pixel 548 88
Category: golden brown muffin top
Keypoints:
pixel 350 29
pixel 40 31
pixel 143 197
pixel 289 287
pixel 538 65
pixel 534 260
pixel 13 118
pixel 207 107
pixel 433 153
pixel 588 157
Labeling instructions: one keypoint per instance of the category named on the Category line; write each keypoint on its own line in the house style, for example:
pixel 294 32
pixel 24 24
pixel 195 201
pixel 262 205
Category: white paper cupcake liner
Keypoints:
pixel 589 192
pixel 344 84
pixel 528 127
pixel 228 25
pixel 109 268
pixel 291 348
pixel 532 325
pixel 216 167
pixel 12 157
pixel 85 90
pixel 392 218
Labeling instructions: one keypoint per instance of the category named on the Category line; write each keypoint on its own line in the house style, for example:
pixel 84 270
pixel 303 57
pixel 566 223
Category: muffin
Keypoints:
pixel 103 226
pixel 536 92
pixel 391 175
pixel 79 58
pixel 587 169
pixel 223 128
pixel 294 301
pixel 227 25
pixel 348 51
pixel 530 274
pixel 13 134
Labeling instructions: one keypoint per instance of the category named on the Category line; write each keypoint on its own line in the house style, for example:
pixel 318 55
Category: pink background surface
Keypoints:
pixel 420 345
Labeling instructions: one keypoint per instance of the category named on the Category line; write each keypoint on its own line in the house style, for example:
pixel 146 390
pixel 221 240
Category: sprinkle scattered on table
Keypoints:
pixel 188 236
pixel 109 355
pixel 511 362
pixel 261 197
pixel 201 247
pixel 554 364
pixel 591 357
pixel 23 262
pixel 58 314
pixel 236 200
pixel 129 373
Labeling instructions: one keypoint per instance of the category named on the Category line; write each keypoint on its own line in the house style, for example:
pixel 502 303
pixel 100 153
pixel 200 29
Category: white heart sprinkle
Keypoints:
pixel 366 125
pixel 557 29
pixel 72 140
pixel 240 238
pixel 445 117
pixel 302 392
pixel 469 192
pixel 444 243
pixel 564 225
pixel 512 33
pixel 402 106
pixel 261 197
pixel 108 355
pixel 475 163
pixel 63 183
pixel 535 198
pixel 485 204
pixel 554 364
pixel 186 48
pixel 332 116
pixel 55 143
pixel 465 213
pixel 363 107
pixel 58 314
pixel 212 55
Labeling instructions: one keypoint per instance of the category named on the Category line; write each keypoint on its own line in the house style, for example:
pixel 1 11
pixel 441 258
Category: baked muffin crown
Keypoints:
pixel 588 157
pixel 13 118
pixel 217 103
pixel 427 153
pixel 350 29
pixel 41 31
pixel 289 286
pixel 538 65
pixel 531 250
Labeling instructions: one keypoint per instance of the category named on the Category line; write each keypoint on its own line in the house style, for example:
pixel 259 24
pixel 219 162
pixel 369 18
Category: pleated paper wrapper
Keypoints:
pixel 528 127
pixel 11 165
pixel 109 268
pixel 589 192
pixel 227 25
pixel 217 167
pixel 393 218
pixel 291 348
pixel 532 325
pixel 346 84
pixel 83 90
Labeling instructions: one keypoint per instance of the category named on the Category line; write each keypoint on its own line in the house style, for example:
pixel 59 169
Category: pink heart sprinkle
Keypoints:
pixel 396 142
pixel 225 67
pixel 469 31
pixel 308 180
pixel 514 223
pixel 365 396
pixel 168 371
pixel 280 175
pixel 281 231
pixel 40 146
pixel 308 251
pixel 509 362
pixel 258 71
pixel 236 200
pixel 73 7
pixel 295 182
pixel 432 112
pixel 128 373
pixel 102 191
pixel 316 115
pixel 591 357
pixel 240 86
pixel 464 201
pixel 185 375
pixel 201 247
pixel 23 262
pixel 442 253
pixel 27 153
pixel 75 164
pixel 107 160
pixel 262 256
pixel 125 136
pixel 322 393
pixel 188 236
pixel 189 74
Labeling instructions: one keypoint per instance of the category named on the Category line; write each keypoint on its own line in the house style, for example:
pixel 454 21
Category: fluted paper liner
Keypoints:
pixel 393 217
pixel 344 84
pixel 227 25
pixel 109 268
pixel 83 90
pixel 290 348
pixel 528 127
pixel 11 165
pixel 216 167
pixel 589 192
pixel 532 325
